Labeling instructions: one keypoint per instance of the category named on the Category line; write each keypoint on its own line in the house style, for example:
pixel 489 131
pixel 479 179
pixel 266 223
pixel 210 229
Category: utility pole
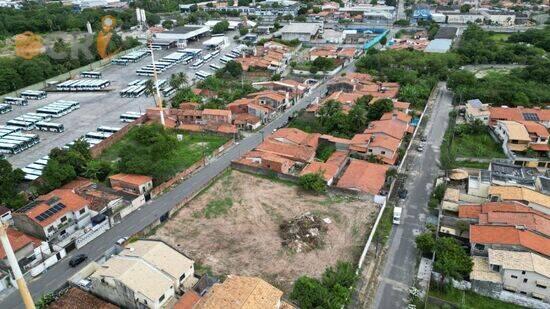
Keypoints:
pixel 12 260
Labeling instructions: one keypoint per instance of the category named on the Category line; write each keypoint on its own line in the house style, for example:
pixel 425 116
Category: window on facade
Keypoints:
pixel 496 268
pixel 522 292
pixel 83 210
pixel 370 150
pixel 525 280
pixel 161 298
pixel 182 277
pixel 383 152
pixel 50 229
pixel 540 286
pixel 523 272
pixel 515 277
pixel 63 219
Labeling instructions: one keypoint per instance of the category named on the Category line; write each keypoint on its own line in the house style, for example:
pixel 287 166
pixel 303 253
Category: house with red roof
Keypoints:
pixel 23 246
pixel 363 176
pixel 519 113
pixel 132 183
pixel 330 169
pixel 506 237
pixel 54 217
pixel 390 127
pixel 384 147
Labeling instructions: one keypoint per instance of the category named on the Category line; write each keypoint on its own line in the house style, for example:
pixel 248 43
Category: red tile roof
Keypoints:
pixel 509 235
pixel 18 240
pixel 134 179
pixel 517 114
pixel 401 105
pixel 296 136
pixel 329 168
pixel 72 202
pixel 535 128
pixel 217 112
pixel 363 176
pixel 291 151
pixel 391 127
pixel 397 115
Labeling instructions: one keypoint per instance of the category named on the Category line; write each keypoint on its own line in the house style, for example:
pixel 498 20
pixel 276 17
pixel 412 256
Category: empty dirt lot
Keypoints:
pixel 233 228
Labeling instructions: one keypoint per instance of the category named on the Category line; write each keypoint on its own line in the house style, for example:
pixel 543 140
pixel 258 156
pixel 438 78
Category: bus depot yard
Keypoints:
pixel 97 108
pixel 240 229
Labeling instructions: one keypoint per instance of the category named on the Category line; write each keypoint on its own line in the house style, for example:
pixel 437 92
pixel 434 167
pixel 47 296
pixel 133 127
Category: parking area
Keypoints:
pixel 101 108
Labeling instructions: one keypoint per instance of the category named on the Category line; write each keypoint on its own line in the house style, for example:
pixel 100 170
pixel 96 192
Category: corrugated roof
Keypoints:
pixel 526 261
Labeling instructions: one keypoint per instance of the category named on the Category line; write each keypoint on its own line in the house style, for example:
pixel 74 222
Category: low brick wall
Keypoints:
pixel 262 171
pixel 108 142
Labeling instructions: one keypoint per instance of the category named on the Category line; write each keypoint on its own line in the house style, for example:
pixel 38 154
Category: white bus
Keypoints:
pixel 98 135
pixel 35 166
pixel 50 127
pixel 10 147
pixel 108 129
pixel 187 59
pixel 215 53
pixel 230 55
pixel 52 112
pixel 24 125
pixel 34 94
pixel 41 116
pixel 197 64
pixel 202 75
pixel 32 171
pixel 225 59
pixel 168 91
pixel 16 101
pixel 90 74
pixel 5 108
pixel 207 57
pixel 215 67
pixel 129 117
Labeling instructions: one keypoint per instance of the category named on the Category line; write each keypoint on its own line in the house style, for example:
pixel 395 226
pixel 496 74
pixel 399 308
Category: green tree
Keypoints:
pixel 357 119
pixel 462 226
pixel 168 24
pixel 313 182
pixel 451 259
pixel 234 68
pixel 322 64
pixel 243 31
pixel 178 80
pixel 10 181
pixel 220 27
pixel 425 242
pixel 55 175
pixel 461 78
pixel 383 41
pixel 378 108
pixel 309 293
pixel 276 77
pixel 465 8
pixel 98 170
pixel 331 117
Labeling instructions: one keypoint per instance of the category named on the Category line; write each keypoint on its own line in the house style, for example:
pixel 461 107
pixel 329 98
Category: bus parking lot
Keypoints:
pixel 99 108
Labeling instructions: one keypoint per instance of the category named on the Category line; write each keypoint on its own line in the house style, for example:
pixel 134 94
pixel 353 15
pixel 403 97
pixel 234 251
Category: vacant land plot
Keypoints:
pixel 467 299
pixel 233 228
pixel 190 149
pixel 480 145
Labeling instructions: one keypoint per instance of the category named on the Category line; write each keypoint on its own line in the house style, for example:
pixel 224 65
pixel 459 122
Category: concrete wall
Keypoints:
pixel 114 292
pixel 93 234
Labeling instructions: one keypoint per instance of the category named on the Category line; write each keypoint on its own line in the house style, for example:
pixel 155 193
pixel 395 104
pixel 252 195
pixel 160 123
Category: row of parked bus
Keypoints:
pixel 16 101
pixel 28 121
pixel 138 87
pixel 83 85
pixel 201 61
pixel 17 142
pixel 58 108
pixel 164 64
pixel 34 170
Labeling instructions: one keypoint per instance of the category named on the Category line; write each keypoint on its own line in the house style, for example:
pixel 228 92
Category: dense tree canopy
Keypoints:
pixel 10 180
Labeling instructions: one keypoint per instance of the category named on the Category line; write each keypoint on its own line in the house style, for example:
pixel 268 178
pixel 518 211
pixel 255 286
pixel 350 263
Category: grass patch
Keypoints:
pixel 306 123
pixel 217 208
pixel 480 145
pixel 384 226
pixel 468 299
pixel 192 148
pixel 500 37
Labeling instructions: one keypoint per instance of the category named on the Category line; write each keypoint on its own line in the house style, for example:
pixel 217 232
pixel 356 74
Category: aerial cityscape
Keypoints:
pixel 275 154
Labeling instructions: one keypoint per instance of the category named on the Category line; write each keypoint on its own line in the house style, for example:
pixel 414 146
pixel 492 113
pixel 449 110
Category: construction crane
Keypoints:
pixel 156 95
pixel 12 260
pixel 141 18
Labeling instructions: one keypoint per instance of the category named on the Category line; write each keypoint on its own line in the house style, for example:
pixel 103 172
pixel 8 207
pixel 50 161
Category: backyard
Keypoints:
pixel 233 227
pixel 480 145
pixel 151 151
pixel 467 300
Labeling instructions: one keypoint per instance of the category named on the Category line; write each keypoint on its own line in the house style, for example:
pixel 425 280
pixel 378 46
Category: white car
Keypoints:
pixel 121 241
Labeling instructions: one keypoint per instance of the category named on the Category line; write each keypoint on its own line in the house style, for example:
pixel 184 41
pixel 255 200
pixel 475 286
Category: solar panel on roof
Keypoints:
pixel 531 117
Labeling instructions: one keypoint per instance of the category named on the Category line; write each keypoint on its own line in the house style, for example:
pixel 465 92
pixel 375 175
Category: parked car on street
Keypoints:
pixel 77 260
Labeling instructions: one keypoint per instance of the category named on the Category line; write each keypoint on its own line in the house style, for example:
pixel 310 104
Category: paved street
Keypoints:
pixel 149 213
pixel 399 270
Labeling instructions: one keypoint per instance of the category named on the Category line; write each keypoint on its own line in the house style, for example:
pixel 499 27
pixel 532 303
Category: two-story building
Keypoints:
pixel 55 217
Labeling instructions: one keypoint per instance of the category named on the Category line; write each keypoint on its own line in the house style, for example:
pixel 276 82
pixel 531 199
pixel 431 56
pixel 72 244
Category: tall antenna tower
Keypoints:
pixel 12 260
pixel 157 96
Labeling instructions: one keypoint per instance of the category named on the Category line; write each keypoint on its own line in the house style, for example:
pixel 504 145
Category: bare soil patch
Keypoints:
pixel 233 228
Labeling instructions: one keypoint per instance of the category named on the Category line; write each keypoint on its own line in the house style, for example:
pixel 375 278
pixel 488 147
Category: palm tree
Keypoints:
pixel 149 87
pixel 177 80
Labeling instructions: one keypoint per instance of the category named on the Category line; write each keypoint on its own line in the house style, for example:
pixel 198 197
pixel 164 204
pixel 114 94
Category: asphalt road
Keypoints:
pixel 149 213
pixel 399 270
